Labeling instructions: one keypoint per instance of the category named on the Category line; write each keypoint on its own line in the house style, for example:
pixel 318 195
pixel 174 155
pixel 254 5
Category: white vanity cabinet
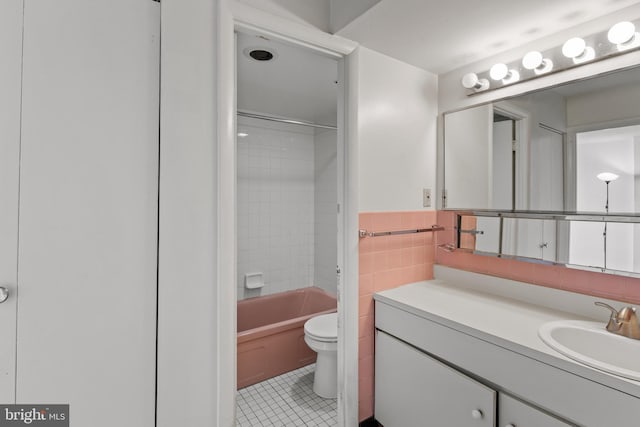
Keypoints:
pixel 514 413
pixel 413 389
pixel 444 352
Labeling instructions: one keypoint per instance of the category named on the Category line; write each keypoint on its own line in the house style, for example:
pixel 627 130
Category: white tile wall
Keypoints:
pixel 326 227
pixel 275 205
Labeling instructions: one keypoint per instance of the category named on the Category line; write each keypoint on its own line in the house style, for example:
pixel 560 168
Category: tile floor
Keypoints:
pixel 286 400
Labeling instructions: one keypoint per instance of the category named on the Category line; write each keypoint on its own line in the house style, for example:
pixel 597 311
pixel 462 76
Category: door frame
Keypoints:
pixel 249 20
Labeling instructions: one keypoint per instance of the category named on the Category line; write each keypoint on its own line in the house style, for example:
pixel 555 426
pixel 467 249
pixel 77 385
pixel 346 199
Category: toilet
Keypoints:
pixel 321 335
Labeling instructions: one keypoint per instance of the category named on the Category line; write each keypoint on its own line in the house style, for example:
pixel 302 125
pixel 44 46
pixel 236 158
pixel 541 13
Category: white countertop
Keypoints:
pixel 507 322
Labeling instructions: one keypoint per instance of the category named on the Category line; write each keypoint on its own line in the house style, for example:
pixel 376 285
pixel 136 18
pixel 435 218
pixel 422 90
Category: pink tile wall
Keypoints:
pixel 580 281
pixel 387 262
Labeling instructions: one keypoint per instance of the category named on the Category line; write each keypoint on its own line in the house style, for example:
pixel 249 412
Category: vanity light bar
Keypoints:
pixel 620 38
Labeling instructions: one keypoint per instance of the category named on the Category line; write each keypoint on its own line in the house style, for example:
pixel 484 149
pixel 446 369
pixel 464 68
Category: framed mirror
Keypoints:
pixel 584 242
pixel 551 176
pixel 570 148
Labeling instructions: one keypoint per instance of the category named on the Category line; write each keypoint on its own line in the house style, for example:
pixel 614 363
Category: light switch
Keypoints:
pixel 426 197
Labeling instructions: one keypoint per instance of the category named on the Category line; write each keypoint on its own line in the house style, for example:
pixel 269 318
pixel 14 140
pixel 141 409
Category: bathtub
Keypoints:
pixel 271 332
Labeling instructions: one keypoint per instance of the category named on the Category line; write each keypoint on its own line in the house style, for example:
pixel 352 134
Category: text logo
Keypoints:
pixel 34 415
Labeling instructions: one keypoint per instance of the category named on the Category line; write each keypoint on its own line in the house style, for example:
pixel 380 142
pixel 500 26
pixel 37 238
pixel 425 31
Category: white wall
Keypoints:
pixel 326 200
pixel 607 105
pixel 313 13
pixel 343 12
pixel 275 206
pixel 196 383
pixel 396 123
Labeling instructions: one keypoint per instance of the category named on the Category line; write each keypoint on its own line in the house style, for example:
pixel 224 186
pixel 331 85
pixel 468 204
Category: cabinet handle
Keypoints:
pixel 476 414
pixel 510 425
pixel 4 294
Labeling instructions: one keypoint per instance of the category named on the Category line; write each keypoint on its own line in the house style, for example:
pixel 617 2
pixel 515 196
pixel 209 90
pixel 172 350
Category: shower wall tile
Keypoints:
pixel 585 282
pixel 276 206
pixel 326 200
pixel 387 262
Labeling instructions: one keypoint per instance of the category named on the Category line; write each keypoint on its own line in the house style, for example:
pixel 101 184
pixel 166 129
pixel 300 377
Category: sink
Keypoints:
pixel 591 344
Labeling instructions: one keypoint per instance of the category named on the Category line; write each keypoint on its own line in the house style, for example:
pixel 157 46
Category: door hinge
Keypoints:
pixel 444 199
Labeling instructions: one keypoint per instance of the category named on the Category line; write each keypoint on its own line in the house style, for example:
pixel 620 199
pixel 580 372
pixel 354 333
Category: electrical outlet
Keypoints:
pixel 426 197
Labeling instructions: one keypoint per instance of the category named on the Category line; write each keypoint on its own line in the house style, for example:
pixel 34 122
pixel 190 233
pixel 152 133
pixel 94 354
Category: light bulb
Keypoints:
pixel 577 49
pixel 532 60
pixel 574 47
pixel 499 71
pixel 471 81
pixel 624 36
pixel 536 62
pixel 607 176
pixel 622 32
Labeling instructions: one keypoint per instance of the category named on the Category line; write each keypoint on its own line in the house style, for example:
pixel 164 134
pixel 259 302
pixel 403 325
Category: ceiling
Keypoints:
pixel 442 35
pixel 297 84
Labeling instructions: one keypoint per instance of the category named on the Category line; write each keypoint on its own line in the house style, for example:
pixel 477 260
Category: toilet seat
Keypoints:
pixel 323 328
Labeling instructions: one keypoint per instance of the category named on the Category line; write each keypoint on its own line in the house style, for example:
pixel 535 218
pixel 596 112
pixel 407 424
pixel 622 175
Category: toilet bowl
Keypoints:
pixel 321 335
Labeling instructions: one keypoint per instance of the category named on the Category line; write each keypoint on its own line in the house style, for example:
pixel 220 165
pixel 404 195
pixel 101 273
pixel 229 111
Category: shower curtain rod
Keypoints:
pixel 290 121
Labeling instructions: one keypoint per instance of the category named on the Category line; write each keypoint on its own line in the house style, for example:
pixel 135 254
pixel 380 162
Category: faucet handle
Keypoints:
pixel 614 312
pixel 614 323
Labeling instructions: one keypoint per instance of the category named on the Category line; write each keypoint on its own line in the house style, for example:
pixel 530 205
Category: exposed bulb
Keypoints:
pixel 471 81
pixel 577 49
pixel 624 35
pixel 499 71
pixel 621 33
pixel 536 62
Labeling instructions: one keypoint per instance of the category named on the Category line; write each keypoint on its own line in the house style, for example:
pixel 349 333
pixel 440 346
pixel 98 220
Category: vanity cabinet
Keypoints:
pixel 514 413
pixel 429 336
pixel 414 389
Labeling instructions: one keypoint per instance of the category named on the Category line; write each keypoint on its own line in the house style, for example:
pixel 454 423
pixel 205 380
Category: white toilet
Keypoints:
pixel 321 335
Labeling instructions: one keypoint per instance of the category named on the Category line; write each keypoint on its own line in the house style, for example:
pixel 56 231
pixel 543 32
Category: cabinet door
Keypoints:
pixel 88 209
pixel 10 76
pixel 413 389
pixel 513 413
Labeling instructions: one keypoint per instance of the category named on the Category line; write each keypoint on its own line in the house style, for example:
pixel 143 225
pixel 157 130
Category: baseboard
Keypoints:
pixel 370 422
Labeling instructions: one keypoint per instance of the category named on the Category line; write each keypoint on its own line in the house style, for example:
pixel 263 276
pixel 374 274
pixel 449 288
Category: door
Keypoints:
pixel 10 75
pixel 503 165
pixel 85 327
pixel 514 413
pixel 413 389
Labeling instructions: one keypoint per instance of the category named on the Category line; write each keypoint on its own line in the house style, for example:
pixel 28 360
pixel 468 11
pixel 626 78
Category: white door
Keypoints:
pixel 547 170
pixel 502 169
pixel 413 389
pixel 87 245
pixel 10 72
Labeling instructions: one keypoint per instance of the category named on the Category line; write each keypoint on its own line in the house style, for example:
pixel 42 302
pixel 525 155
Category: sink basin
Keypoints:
pixel 590 343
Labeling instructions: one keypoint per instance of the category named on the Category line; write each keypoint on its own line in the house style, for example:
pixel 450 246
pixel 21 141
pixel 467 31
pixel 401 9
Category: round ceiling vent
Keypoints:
pixel 260 54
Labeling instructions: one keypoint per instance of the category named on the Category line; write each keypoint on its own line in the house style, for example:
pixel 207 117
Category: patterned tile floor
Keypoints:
pixel 286 400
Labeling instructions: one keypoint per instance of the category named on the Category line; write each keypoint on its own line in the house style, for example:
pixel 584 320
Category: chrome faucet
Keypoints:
pixel 624 322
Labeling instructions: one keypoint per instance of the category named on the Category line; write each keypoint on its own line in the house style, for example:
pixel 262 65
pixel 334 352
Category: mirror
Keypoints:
pixel 544 151
pixel 580 242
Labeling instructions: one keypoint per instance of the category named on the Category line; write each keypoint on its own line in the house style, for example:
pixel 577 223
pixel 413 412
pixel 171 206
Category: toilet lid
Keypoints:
pixel 323 327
